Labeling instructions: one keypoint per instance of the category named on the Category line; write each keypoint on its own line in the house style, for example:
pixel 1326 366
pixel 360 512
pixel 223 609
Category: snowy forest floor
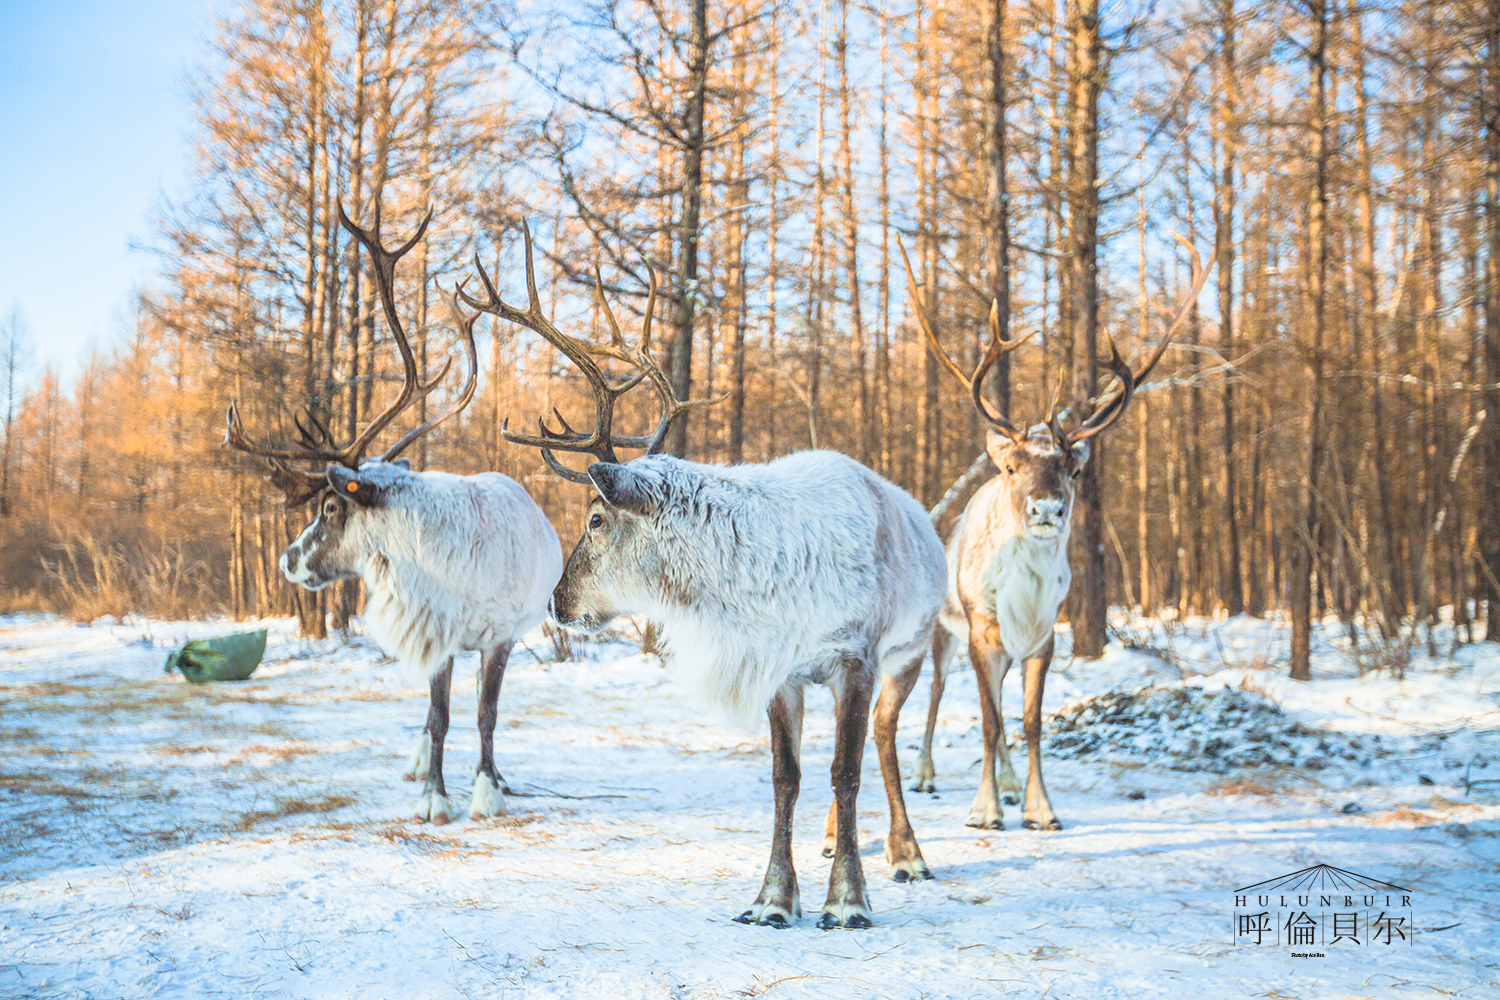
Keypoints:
pixel 162 839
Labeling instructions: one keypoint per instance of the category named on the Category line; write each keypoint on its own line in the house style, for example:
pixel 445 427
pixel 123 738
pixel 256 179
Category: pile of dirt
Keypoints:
pixel 1192 729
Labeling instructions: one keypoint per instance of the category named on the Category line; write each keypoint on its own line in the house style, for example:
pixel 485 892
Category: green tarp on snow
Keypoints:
pixel 227 658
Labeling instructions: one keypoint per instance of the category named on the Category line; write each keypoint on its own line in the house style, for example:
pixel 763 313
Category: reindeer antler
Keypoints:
pixel 1107 412
pixel 997 349
pixel 1111 409
pixel 316 442
pixel 602 441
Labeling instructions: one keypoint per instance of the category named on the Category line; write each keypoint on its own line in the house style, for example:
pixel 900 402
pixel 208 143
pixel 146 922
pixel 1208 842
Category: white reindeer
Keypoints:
pixel 1008 568
pixel 450 563
pixel 762 579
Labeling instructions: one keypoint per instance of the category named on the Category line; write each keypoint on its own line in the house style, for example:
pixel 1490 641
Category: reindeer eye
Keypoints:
pixel 1010 470
pixel 596 521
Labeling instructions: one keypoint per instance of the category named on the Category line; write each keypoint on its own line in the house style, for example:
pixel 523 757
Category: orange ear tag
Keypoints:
pixel 353 487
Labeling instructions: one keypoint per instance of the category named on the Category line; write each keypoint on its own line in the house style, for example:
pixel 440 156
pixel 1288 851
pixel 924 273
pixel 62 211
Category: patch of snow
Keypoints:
pixel 161 839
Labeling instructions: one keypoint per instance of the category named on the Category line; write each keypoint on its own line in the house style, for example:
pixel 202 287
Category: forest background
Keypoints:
pixel 1324 438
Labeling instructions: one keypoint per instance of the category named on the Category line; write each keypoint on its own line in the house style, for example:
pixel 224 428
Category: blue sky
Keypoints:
pixel 95 124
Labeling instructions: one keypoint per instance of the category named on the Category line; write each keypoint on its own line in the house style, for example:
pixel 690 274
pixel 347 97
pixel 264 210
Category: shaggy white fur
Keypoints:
pixel 451 563
pixel 486 800
pixel 419 761
pixel 758 574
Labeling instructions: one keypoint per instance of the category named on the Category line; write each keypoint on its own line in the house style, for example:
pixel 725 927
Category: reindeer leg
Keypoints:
pixel 901 850
pixel 420 761
pixel 1038 814
pixel 925 777
pixel 1008 785
pixel 489 783
pixel 433 803
pixel 989 661
pixel 847 905
pixel 779 903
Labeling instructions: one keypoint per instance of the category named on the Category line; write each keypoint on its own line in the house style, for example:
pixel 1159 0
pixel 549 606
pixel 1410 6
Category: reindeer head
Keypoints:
pixel 337 544
pixel 618 566
pixel 1040 472
pixel 350 487
pixel 1039 467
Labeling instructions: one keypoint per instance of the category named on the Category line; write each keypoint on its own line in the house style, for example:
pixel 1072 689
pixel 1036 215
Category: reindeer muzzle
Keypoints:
pixel 1045 518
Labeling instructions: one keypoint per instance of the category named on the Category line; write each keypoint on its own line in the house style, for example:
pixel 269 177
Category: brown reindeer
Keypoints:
pixel 1008 565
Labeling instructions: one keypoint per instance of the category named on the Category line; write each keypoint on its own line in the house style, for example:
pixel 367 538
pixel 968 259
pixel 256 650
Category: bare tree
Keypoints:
pixel 15 360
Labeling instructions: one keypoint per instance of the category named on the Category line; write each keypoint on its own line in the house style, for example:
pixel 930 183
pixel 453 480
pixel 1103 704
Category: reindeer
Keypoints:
pixel 450 563
pixel 762 579
pixel 1008 564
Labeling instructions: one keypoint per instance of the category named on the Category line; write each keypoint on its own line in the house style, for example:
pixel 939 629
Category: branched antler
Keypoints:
pixel 997 349
pixel 1106 411
pixel 601 442
pixel 316 443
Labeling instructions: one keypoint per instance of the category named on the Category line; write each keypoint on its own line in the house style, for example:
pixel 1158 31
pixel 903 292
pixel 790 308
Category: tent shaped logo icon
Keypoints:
pixel 1322 907
pixel 1322 878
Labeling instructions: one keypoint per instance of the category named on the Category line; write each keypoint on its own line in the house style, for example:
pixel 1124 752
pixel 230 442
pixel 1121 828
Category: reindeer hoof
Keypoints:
pixel 1031 824
pixel 827 852
pixel 434 808
pixel 1011 799
pixel 980 823
pixel 769 915
pixel 906 874
pixel 924 786
pixel 854 922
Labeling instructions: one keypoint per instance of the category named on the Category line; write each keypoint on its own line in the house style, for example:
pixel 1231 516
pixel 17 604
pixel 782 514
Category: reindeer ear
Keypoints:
pixel 624 489
pixel 347 483
pixel 1080 453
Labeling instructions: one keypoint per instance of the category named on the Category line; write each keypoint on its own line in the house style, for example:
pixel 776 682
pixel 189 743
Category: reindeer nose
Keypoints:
pixel 1050 509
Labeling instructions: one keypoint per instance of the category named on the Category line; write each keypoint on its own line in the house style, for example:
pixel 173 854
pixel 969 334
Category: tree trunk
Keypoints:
pixel 862 429
pixel 1490 511
pixel 1224 204
pixel 684 311
pixel 1303 554
pixel 1083 191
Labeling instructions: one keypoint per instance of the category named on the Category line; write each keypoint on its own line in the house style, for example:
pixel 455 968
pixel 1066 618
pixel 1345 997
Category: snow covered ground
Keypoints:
pixel 159 839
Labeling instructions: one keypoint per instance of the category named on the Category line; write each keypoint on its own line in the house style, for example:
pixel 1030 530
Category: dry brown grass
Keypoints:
pixel 402 834
pixel 42 784
pixel 179 750
pixel 1403 814
pixel 565 646
pixel 1252 683
pixel 14 602
pixel 292 807
pixel 1262 783
pixel 278 753
pixel 46 689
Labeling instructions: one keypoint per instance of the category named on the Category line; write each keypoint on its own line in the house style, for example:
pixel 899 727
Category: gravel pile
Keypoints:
pixel 1191 729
